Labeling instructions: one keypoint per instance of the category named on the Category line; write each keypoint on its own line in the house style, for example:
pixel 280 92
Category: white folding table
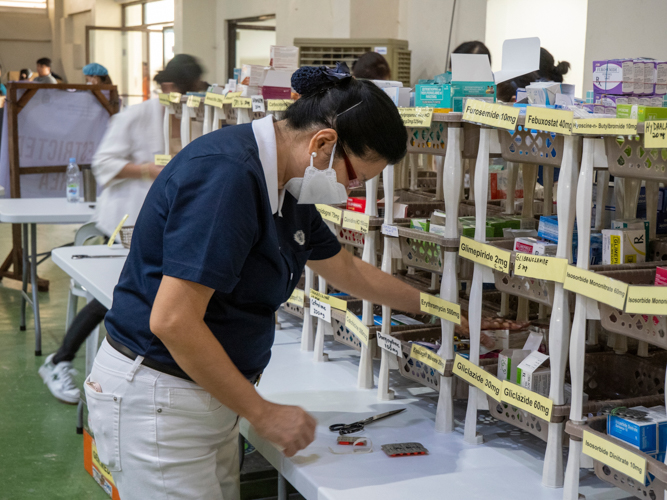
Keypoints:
pixel 29 212
pixel 509 465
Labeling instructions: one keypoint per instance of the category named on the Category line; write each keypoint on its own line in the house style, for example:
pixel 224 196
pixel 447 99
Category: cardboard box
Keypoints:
pixel 433 96
pixel 642 434
pixel 420 224
pixel 277 84
pixel 614 76
pixel 534 246
pixel 633 224
pixel 532 375
pixel 660 276
pixel 623 246
pixel 508 360
pixel 284 57
pixel 356 204
pixel 461 91
pixel 661 77
pixel 640 113
pixel 95 468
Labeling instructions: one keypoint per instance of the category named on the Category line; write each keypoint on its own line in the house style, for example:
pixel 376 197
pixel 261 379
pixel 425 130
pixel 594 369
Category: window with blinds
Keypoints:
pixel 24 4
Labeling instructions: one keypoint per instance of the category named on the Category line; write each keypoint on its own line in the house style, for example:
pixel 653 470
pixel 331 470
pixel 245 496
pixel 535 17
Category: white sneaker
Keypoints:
pixel 58 378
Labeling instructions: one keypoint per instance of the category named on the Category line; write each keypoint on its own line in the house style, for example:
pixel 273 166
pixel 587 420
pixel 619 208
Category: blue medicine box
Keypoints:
pixel 641 434
pixel 433 96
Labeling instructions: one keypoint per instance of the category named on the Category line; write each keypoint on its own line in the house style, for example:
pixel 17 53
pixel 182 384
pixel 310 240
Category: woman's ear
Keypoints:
pixel 323 142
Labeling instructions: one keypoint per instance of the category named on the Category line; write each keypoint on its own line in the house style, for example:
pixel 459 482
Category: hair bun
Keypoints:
pixel 309 80
pixel 562 67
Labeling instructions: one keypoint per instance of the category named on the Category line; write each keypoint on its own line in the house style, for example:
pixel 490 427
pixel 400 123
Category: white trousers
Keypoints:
pixel 162 437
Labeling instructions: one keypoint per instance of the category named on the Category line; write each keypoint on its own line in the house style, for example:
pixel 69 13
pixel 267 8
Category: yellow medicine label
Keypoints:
pixel 600 288
pixel 477 377
pixel 229 97
pixel 215 100
pixel 174 97
pixel 164 99
pixel 242 102
pixel 416 117
pixel 614 456
pixel 605 126
pixel 486 255
pixel 162 160
pixel 355 325
pixel 488 113
pixel 428 357
pixel 334 215
pixel 646 300
pixel 524 399
pixel 297 298
pixel 356 221
pixel 278 104
pixel 540 267
pixel 655 134
pixel 334 302
pixel 549 120
pixel 193 101
pixel 440 308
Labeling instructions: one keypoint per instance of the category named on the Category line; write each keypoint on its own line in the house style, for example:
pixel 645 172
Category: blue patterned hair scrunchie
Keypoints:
pixel 310 80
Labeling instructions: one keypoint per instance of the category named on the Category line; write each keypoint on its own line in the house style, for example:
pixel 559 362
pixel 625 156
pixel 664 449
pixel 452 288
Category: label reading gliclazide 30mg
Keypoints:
pixel 614 456
pixel 487 113
pixel 477 376
pixel 486 255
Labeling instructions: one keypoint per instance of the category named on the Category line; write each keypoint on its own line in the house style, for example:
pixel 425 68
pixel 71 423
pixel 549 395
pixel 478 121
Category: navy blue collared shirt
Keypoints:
pixel 208 219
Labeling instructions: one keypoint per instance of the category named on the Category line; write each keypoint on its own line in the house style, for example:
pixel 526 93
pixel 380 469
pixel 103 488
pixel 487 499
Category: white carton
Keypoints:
pixel 531 375
pixel 623 246
pixel 508 360
pixel 534 246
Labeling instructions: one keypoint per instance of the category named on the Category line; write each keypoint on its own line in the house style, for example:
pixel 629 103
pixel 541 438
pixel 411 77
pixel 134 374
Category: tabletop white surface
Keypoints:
pixel 507 465
pixel 45 211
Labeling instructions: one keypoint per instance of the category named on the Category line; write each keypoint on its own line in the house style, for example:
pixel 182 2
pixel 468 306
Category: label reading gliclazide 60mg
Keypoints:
pixel 614 456
pixel 357 328
pixel 428 357
pixel 601 288
pixel 477 377
pixel 494 115
pixel 440 308
pixel 486 255
pixel 524 399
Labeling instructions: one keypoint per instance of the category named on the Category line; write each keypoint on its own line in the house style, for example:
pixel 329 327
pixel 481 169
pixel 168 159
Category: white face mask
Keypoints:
pixel 318 186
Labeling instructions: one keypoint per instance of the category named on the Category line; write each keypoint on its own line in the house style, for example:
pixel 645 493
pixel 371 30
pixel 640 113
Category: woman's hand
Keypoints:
pixel 289 427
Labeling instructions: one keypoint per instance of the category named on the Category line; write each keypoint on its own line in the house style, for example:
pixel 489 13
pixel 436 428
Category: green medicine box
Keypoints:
pixel 485 91
pixel 433 96
pixel 640 113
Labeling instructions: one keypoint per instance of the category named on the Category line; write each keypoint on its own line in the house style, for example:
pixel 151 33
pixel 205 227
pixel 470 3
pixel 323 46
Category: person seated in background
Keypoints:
pixel 96 74
pixel 474 47
pixel 44 71
pixel 550 71
pixel 124 165
pixel 371 66
pixel 25 75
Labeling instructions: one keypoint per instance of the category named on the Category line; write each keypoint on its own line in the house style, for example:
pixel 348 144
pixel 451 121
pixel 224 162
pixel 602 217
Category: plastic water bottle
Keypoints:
pixel 73 181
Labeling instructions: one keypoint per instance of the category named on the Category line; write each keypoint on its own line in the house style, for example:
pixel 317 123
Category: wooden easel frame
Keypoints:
pixel 14 106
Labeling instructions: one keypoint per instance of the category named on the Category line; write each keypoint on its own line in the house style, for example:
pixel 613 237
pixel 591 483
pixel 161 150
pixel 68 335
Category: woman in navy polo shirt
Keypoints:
pixel 220 243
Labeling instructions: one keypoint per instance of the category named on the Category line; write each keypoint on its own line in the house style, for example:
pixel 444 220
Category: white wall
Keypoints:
pixel 195 32
pixel 561 27
pixel 24 38
pixel 618 28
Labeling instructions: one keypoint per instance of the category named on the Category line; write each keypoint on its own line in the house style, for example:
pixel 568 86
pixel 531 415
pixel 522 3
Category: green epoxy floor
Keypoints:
pixel 41 456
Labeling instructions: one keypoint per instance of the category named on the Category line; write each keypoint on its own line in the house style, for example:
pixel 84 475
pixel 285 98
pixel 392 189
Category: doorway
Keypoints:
pixel 249 41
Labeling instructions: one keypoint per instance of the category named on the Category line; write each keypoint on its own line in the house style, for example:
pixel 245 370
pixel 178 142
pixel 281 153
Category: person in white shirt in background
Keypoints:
pixel 124 165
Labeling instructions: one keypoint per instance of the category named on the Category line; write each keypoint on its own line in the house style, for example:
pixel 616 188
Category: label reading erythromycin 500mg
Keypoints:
pixel 486 255
pixel 494 115
pixel 440 308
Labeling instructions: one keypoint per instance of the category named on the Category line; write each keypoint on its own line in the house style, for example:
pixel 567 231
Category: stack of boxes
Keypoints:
pixel 548 230
pixel 648 435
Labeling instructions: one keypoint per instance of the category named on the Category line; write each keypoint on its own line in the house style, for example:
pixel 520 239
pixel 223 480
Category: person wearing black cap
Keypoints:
pixel 124 165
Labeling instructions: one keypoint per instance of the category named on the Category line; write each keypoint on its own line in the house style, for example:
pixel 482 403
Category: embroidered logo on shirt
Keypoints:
pixel 300 237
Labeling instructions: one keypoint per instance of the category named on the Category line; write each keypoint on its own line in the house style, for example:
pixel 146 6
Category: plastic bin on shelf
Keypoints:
pixel 431 140
pixel 650 328
pixel 627 157
pixel 231 113
pixel 657 471
pixel 531 146
pixel 609 379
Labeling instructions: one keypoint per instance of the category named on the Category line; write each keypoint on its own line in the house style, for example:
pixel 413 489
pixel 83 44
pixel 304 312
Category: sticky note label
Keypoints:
pixel 320 310
pixel 215 100
pixel 339 304
pixel 524 399
pixel 428 357
pixel 229 97
pixel 600 288
pixel 162 160
pixel 484 254
pixel 174 97
pixel 193 101
pixel 357 328
pixel 356 221
pixel 440 308
pixel 278 104
pixel 614 456
pixel 488 113
pixel 258 104
pixel 389 230
pixel 550 120
pixel 242 102
pixel 540 267
pixel 416 117
pixel 389 343
pixel 647 300
pixel 655 134
pixel 297 298
pixel 331 214
pixel 164 99
pixel 477 377
pixel 610 126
